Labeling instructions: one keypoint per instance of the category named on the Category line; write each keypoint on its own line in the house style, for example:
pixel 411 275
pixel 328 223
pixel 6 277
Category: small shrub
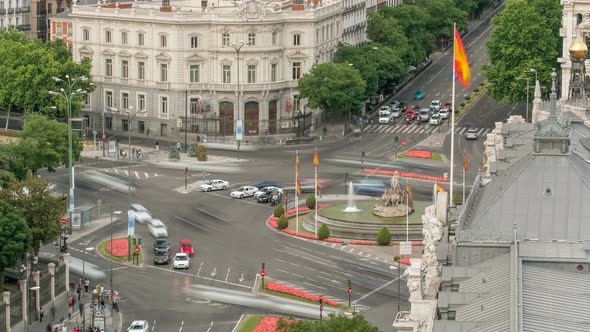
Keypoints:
pixel 201 153
pixel 383 237
pixel 482 84
pixel 279 210
pixel 396 258
pixel 457 199
pixel 173 153
pixel 310 202
pixel 192 150
pixel 283 222
pixel 462 105
pixel 467 98
pixel 323 232
pixel 476 90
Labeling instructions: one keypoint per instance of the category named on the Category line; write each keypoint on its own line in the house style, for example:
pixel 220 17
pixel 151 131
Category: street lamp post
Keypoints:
pixel 526 115
pixel 111 277
pixel 83 290
pixel 67 94
pixel 238 47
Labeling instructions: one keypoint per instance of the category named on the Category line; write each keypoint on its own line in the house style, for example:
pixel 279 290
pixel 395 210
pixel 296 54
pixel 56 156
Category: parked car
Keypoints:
pixel 396 112
pixel 265 189
pixel 161 245
pixel 186 247
pixel 244 191
pixel 161 257
pixel 471 134
pixel 139 326
pixel 142 214
pixel 181 261
pixel 444 114
pixel 410 114
pixel 434 120
pixel 394 103
pixel 157 228
pixel 214 185
pixel 267 196
pixel 424 114
pixel 435 104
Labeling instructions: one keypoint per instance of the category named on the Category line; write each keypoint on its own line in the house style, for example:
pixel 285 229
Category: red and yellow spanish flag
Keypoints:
pixel 465 162
pixel 316 163
pixel 462 71
pixel 410 195
pixel 440 189
pixel 297 183
pixel 316 159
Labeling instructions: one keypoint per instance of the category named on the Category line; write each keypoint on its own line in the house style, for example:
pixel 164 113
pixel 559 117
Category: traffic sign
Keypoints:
pixel 136 249
pixel 262 273
pixel 349 290
pixel 405 248
pixel 404 142
pixel 64 221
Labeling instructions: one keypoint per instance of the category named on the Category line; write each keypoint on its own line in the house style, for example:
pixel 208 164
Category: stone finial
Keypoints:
pixel 51 268
pixel 6 297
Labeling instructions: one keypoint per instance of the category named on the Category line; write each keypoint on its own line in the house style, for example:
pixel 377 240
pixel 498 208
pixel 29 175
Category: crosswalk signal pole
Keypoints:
pixel 321 306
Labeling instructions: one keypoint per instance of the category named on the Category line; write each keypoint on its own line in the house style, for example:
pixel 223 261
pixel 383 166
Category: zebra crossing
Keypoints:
pixel 421 129
pixel 134 174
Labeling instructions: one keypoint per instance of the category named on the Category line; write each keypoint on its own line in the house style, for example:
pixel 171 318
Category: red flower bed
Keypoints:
pixel 363 243
pixel 276 287
pixel 419 154
pixel 118 247
pixel 269 324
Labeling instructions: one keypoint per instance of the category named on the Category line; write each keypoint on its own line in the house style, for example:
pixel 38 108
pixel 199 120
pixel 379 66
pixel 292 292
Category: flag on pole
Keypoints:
pixel 462 72
pixel 410 195
pixel 465 163
pixel 297 183
pixel 316 160
pixel 316 163
pixel 439 188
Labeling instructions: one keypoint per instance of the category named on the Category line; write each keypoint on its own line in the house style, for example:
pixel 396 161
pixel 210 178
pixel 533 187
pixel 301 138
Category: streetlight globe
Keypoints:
pixel 53 107
pixel 79 90
pixel 61 89
pixel 53 93
pixel 57 79
pixel 67 76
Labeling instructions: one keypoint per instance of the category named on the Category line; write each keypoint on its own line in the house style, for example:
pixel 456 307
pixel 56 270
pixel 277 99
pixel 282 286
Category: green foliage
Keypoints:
pixel 467 98
pixel 323 232
pixel 525 36
pixel 334 87
pixel 283 222
pixel 173 153
pixel 334 324
pixel 443 13
pixel 462 105
pixel 26 70
pixel 38 207
pixel 279 210
pixel 310 202
pixel 15 238
pixel 396 258
pixel 476 90
pixel 384 237
pixel 12 167
pixel 457 199
pixel 202 153
pixel 192 150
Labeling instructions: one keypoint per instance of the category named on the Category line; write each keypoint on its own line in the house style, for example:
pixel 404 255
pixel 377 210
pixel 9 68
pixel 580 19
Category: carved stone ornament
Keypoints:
pixel 585 24
pixel 253 9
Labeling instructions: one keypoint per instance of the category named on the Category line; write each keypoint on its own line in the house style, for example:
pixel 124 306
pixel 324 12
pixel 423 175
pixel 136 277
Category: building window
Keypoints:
pixel 58 31
pixel 107 36
pixel 163 41
pixel 49 8
pixel 296 70
pixel 164 105
pixel 164 72
pixel 125 68
pixel 194 73
pixel 69 29
pixel 141 102
pixel 296 39
pixel 124 38
pixel 86 35
pixel 140 127
pixel 124 100
pixel 140 39
pixel 124 125
pixel 273 72
pixel 141 70
pixel 251 39
pixel 108 98
pixel 109 68
pixel 194 42
pixel 87 99
pixel 194 102
pixel 274 39
pixel 226 73
pixel 251 73
pixel 225 39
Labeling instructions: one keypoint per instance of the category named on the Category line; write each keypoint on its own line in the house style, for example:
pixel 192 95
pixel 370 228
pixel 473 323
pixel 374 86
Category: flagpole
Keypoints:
pixel 316 198
pixel 453 114
pixel 296 193
pixel 407 215
pixel 434 193
pixel 463 185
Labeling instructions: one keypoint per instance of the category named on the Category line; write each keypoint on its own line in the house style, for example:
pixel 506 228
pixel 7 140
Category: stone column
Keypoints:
pixel 7 309
pixel 51 268
pixel 37 282
pixel 66 258
pixel 23 290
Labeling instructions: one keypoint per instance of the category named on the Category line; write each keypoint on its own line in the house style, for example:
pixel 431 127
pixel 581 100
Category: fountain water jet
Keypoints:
pixel 350 207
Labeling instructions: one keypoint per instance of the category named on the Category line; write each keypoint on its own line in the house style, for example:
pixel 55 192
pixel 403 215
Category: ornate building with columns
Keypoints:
pixel 178 61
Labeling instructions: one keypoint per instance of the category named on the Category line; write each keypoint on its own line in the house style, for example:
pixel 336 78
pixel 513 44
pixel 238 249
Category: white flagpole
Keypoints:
pixel 434 193
pixel 407 215
pixel 316 200
pixel 453 114
pixel 296 194
pixel 463 185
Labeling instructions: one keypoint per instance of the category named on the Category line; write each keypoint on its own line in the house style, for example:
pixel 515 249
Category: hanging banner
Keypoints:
pixel 131 223
pixel 239 130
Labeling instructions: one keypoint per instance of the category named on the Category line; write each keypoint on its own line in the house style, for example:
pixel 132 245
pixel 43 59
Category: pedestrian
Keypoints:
pixel 56 329
pixel 139 154
pixel 64 329
pixel 79 291
pixel 77 329
pixel 81 308
pixel 102 304
pixel 48 329
pixel 41 315
pixel 179 147
pixel 86 285
pixel 133 153
pixel 70 309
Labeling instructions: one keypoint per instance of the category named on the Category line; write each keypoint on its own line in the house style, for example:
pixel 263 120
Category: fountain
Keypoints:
pixel 350 207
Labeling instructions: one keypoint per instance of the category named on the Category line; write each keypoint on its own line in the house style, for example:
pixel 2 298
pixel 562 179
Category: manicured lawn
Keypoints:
pixel 250 323
pixel 102 250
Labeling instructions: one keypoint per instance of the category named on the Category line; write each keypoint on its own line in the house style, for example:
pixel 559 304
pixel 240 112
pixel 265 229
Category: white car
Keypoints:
pixel 384 109
pixel 244 191
pixel 214 185
pixel 424 114
pixel 384 119
pixel 157 228
pixel 139 326
pixel 397 112
pixel 471 134
pixel 435 104
pixel 444 114
pixel 434 120
pixel 181 261
pixel 265 189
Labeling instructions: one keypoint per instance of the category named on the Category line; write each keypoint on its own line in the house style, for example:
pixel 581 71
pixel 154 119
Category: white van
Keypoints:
pixel 157 228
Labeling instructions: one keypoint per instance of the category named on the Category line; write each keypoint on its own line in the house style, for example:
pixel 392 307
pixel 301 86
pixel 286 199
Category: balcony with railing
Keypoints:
pixel 26 9
pixel 2 11
pixel 10 10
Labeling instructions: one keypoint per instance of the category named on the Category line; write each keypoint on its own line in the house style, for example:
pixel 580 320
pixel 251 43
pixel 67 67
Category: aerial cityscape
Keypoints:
pixel 294 165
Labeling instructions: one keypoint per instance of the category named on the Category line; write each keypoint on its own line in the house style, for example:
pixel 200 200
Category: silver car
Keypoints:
pixel 471 134
pixel 142 214
pixel 424 114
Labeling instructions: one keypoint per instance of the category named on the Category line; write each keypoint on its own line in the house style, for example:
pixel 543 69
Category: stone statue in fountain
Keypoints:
pixel 393 201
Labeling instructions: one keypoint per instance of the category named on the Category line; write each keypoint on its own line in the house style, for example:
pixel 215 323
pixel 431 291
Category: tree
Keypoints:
pixel 15 238
pixel 334 87
pixel 283 222
pixel 383 237
pixel 443 13
pixel 334 324
pixel 323 232
pixel 279 210
pixel 525 36
pixel 44 144
pixel 38 207
pixel 358 58
pixel 386 30
pixel 310 202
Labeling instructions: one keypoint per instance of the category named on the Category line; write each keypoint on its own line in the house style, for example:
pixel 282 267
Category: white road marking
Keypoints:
pixel 328 279
pixel 126 172
pixel 316 286
pixel 210 326
pixel 227 274
pixel 136 175
pixel 146 174
pixel 375 290
pixel 116 170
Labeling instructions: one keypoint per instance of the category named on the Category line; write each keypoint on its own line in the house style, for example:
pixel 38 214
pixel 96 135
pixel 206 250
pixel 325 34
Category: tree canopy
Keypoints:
pixel 26 70
pixel 525 35
pixel 15 238
pixel 335 324
pixel 334 87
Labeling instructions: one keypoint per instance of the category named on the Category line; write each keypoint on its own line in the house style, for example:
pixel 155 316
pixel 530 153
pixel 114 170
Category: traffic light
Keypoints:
pixel 321 300
pixel 139 241
pixel 134 241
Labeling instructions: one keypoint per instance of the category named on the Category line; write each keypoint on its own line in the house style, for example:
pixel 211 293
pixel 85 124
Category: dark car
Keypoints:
pixel 161 245
pixel 263 184
pixel 370 187
pixel 161 257
pixel 267 196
